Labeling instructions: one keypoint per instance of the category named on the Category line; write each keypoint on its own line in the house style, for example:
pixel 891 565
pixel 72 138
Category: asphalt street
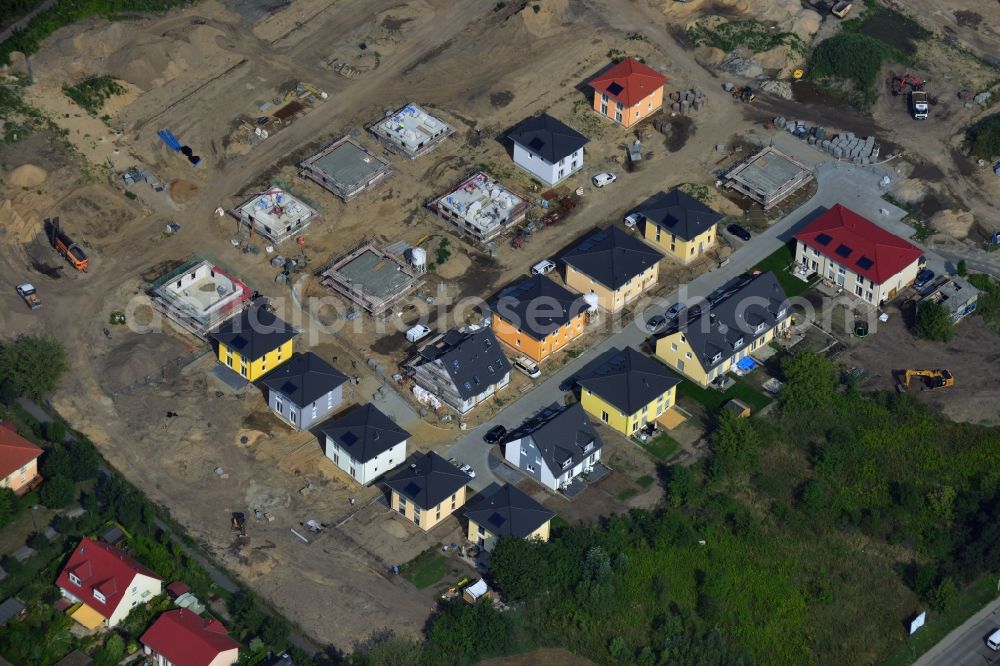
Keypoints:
pixel 966 645
pixel 856 187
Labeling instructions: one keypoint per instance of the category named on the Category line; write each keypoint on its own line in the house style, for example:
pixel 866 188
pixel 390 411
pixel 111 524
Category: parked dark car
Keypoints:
pixel 738 231
pixel 655 323
pixel 495 434
pixel 923 278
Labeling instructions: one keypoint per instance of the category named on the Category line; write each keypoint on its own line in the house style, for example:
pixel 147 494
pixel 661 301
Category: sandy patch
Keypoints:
pixel 27 175
pixel 455 267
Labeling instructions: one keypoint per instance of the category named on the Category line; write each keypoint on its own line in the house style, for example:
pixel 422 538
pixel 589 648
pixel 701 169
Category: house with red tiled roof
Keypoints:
pixel 181 638
pixel 18 460
pixel 864 259
pixel 628 92
pixel 105 584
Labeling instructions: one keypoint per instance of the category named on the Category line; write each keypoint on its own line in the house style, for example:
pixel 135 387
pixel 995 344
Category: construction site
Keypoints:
pixel 481 207
pixel 205 70
pixel 411 131
pixel 374 279
pixel 199 295
pixel 768 177
pixel 346 168
pixel 275 214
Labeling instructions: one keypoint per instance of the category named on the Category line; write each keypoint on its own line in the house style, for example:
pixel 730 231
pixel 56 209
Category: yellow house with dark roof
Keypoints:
pixel 254 343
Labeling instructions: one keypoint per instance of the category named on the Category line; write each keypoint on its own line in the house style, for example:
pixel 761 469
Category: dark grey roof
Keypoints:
pixel 508 511
pixel 627 379
pixel 254 333
pixel 548 138
pixel 472 359
pixel 75 658
pixel 538 306
pixel 304 378
pixel 365 432
pixel 428 479
pixel 732 324
pixel 611 257
pixel 9 609
pixel 679 213
pixel 565 436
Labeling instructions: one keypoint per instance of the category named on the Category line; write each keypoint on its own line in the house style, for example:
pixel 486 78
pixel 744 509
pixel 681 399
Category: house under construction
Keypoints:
pixel 346 168
pixel 481 207
pixel 374 278
pixel 275 214
pixel 411 131
pixel 768 176
pixel 199 295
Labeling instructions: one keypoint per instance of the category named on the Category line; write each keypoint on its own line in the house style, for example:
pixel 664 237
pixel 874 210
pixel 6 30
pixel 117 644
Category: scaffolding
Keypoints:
pixel 346 168
pixel 410 131
pixel 199 295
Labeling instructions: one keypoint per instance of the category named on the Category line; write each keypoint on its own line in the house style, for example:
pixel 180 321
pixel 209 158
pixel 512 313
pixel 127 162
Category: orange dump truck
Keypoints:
pixel 65 246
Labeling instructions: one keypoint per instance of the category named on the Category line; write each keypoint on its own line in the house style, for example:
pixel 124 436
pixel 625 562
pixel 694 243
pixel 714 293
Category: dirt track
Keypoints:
pixel 195 71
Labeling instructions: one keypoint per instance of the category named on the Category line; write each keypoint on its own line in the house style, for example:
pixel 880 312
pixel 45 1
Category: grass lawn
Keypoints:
pixel 661 447
pixel 425 569
pixel 939 625
pixel 645 481
pixel 714 400
pixel 628 493
pixel 778 263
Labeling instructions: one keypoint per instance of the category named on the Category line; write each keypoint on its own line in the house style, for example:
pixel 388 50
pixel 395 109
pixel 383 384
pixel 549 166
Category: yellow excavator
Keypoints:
pixel 933 379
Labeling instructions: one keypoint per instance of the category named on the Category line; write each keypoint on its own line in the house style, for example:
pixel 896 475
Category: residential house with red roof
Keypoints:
pixel 106 583
pixel 858 255
pixel 181 638
pixel 628 92
pixel 18 460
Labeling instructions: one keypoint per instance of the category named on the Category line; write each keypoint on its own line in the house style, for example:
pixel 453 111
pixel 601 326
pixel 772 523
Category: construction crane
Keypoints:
pixel 933 379
pixel 65 246
pixel 900 83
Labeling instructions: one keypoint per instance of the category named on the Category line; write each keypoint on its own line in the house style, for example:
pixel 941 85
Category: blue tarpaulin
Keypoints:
pixel 746 364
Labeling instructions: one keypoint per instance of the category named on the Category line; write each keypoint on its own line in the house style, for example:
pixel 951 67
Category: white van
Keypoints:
pixel 543 267
pixel 993 641
pixel 417 333
pixel 527 366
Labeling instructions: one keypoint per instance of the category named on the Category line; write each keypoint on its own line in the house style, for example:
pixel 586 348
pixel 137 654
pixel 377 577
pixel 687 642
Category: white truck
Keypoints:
pixel 919 104
pixel 417 333
pixel 27 292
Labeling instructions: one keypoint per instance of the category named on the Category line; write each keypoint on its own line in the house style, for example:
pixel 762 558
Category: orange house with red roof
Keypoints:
pixel 181 638
pixel 628 92
pixel 858 255
pixel 18 460
pixel 105 584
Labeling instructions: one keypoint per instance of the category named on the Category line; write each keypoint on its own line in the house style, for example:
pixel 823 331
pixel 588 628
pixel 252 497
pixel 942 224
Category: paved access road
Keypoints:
pixel 855 187
pixel 966 645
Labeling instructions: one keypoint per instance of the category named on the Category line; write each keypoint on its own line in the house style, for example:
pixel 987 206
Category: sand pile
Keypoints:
pixel 27 175
pixel 954 223
pixel 456 266
pixel 17 228
pixel 140 356
pixel 156 61
pixel 550 17
pixel 910 191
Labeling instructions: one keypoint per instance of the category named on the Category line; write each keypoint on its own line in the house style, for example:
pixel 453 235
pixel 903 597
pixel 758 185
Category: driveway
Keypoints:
pixel 854 186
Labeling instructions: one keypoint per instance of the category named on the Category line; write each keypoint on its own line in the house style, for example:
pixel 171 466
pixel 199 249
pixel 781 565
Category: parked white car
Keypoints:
pixel 527 366
pixel 543 267
pixel 417 333
pixel 468 470
pixel 604 178
pixel 632 220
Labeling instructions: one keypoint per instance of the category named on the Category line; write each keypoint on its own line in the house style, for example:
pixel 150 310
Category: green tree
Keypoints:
pixel 735 446
pixel 86 459
pixel 33 364
pixel 243 608
pixel 274 632
pixel 961 268
pixel 811 381
pixel 58 492
pixel 385 648
pixel 933 322
pixel 55 431
pixel 9 506
pixel 57 462
pixel 519 568
pixel 111 652
pixel 985 137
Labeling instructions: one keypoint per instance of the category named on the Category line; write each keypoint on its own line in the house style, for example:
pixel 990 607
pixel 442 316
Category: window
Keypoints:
pixel 523 451
pixel 869 296
pixel 354 473
pixel 604 98
pixel 673 346
pixel 618 116
pixel 437 514
pixel 416 515
pixel 604 417
pixel 688 355
pixel 100 597
pixel 858 289
pixel 293 415
pixel 635 426
pixel 604 109
pixel 279 406
pixel 531 469
pixel 75 579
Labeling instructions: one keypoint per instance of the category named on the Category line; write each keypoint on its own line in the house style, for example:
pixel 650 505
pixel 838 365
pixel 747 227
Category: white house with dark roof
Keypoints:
pixel 365 443
pixel 548 149
pixel 558 450
pixel 304 390
pixel 462 368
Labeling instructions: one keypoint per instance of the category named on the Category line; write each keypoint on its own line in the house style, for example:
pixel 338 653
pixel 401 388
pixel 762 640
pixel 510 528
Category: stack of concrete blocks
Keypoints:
pixel 687 101
pixel 841 146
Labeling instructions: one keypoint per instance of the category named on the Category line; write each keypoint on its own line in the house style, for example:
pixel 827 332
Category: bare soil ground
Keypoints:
pixel 972 356
pixel 199 71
